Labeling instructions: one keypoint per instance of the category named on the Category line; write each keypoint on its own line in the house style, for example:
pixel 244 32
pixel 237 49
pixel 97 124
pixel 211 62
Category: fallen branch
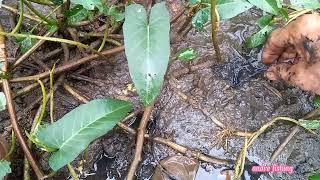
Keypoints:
pixel 139 144
pixel 12 112
pixel 68 66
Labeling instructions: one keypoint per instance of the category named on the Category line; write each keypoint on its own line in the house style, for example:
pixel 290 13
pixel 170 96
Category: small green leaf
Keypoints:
pixel 270 6
pixel 89 4
pixel 316 101
pixel 314 177
pixel 284 13
pixel 52 27
pixel 201 18
pixel 264 20
pixel 258 38
pixel 186 54
pixel 75 130
pixel 230 8
pixel 4 168
pixel 26 43
pixel 147 48
pixel 305 4
pixel 3 101
pixel 114 13
pixel 76 14
pixel 310 124
pixel 57 2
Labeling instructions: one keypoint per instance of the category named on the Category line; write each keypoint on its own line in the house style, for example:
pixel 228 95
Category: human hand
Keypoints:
pixel 294 53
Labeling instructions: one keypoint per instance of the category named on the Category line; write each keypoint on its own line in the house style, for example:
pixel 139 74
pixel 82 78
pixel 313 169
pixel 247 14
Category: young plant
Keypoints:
pixel 147 48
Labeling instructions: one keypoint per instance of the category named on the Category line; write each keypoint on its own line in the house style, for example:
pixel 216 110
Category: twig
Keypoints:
pixel 41 16
pixel 31 50
pixel 12 112
pixel 74 93
pixel 139 145
pixel 294 131
pixel 43 2
pixel 68 66
pixel 176 17
pixel 67 41
pixel 16 29
pixel 9 8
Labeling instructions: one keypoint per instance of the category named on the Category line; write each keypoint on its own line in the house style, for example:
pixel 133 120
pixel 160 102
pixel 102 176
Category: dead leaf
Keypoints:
pixel 176 167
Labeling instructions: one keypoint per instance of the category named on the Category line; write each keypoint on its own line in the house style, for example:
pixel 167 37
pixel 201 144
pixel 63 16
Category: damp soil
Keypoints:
pixel 234 91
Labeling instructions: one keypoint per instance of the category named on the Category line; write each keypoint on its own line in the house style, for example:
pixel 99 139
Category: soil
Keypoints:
pixel 235 92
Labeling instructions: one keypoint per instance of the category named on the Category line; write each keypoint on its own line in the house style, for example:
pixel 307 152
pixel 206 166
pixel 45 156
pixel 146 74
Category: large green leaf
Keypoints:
pixel 308 4
pixel 230 8
pixel 3 101
pixel 73 132
pixel 264 20
pixel 4 168
pixel 270 6
pixel 147 47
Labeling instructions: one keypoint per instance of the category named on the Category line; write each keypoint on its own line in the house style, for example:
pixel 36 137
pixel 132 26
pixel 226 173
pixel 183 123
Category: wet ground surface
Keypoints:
pixel 234 92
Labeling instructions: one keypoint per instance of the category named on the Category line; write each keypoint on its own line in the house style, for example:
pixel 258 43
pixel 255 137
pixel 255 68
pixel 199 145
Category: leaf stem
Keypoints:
pixel 72 172
pixel 215 24
pixel 40 15
pixel 16 29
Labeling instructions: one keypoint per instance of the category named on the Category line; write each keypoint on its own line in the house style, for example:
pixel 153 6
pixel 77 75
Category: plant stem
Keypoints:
pixel 215 25
pixel 40 15
pixel 139 145
pixel 13 145
pixel 67 41
pixel 12 111
pixel 9 8
pixel 43 2
pixel 72 172
pixel 104 37
pixel 16 29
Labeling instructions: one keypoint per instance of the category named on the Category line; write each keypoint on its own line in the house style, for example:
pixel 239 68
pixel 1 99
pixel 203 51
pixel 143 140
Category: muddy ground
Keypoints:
pixel 235 92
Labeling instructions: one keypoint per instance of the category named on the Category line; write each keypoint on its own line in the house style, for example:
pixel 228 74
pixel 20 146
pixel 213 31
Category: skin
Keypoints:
pixel 293 53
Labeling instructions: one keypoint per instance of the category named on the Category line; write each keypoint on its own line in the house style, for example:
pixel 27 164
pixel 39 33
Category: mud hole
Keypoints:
pixel 235 92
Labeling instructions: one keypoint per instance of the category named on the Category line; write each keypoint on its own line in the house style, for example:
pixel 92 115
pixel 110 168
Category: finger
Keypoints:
pixel 277 43
pixel 289 55
pixel 278 71
pixel 302 74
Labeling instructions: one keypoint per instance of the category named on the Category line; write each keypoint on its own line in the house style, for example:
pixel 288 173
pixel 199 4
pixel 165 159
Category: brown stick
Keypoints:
pixel 293 132
pixel 12 111
pixel 140 139
pixel 68 66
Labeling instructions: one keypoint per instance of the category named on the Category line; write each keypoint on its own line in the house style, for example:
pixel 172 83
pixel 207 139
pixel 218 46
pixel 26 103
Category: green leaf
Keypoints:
pixel 270 6
pixel 4 168
pixel 305 4
pixel 230 8
pixel 114 13
pixel 310 124
pixel 74 131
pixel 201 18
pixel 57 2
pixel 147 47
pixel 186 54
pixel 3 101
pixel 258 38
pixel 89 4
pixel 316 101
pixel 26 43
pixel 314 177
pixel 264 20
pixel 76 14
